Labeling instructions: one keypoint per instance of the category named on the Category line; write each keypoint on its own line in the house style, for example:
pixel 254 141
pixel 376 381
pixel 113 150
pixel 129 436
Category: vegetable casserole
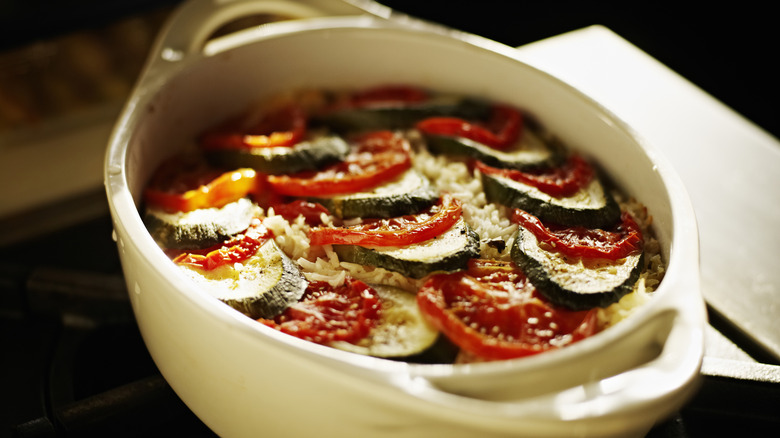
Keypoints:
pixel 399 222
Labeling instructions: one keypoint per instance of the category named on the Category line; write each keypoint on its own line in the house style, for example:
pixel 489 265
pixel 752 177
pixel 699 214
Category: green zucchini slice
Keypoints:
pixel 263 286
pixel 306 155
pixel 592 207
pixel 201 228
pixel 402 331
pixel 448 252
pixel 530 153
pixel 410 193
pixel 403 116
pixel 575 283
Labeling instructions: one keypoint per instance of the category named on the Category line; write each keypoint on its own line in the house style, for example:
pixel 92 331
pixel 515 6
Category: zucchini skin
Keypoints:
pixel 462 147
pixel 400 201
pixel 289 289
pixel 562 296
pixel 379 207
pixel 498 191
pixel 308 155
pixel 266 285
pixel 173 231
pixel 412 268
pixel 402 116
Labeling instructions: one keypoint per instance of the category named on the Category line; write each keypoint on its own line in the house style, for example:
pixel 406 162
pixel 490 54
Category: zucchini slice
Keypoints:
pixel 263 286
pixel 410 193
pixel 592 207
pixel 448 252
pixel 402 116
pixel 575 283
pixel 402 329
pixel 201 228
pixel 306 155
pixel 530 153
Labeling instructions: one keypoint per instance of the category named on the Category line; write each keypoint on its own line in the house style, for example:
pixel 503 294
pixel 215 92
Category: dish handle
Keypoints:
pixel 655 382
pixel 652 389
pixel 191 25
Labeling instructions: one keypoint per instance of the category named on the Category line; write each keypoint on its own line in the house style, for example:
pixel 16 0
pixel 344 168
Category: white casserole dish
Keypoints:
pixel 244 379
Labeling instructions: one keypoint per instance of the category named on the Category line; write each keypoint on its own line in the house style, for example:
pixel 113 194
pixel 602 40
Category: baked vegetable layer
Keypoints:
pixel 530 153
pixel 355 165
pixel 592 206
pixel 200 228
pixel 260 287
pixel 577 283
pixel 402 115
pixel 306 155
pixel 448 252
pixel 402 330
pixel 408 194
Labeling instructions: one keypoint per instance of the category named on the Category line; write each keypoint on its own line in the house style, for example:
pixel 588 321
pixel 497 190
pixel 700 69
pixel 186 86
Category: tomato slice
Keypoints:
pixel 500 132
pixel 283 127
pixel 562 181
pixel 624 240
pixel 182 185
pixel 237 249
pixel 311 211
pixel 383 95
pixel 492 311
pixel 399 231
pixel 378 157
pixel 326 314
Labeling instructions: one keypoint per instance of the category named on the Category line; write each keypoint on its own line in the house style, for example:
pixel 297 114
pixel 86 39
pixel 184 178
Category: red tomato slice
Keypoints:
pixel 624 240
pixel 311 211
pixel 500 132
pixel 238 249
pixel 492 311
pixel 399 231
pixel 284 127
pixel 379 157
pixel 182 185
pixel 326 314
pixel 383 95
pixel 559 182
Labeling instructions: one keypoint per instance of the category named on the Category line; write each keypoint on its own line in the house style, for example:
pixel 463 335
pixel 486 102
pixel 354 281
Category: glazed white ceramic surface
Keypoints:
pixel 244 379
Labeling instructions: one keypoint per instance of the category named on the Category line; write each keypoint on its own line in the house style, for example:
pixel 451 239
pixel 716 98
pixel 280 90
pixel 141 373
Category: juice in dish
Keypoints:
pixel 399 222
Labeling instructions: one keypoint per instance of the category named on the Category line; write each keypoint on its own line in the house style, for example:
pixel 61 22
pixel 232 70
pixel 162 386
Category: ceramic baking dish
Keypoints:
pixel 244 379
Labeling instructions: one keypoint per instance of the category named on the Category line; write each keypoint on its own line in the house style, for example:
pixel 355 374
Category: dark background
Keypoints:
pixel 728 50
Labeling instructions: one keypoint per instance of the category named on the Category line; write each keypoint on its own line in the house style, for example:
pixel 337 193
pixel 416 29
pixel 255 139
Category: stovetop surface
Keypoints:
pixel 74 363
